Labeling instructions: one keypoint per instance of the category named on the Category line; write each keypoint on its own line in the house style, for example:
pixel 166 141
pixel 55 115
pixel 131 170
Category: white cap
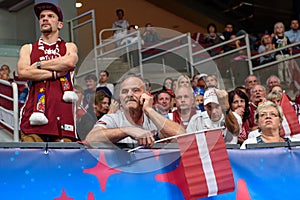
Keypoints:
pixel 201 76
pixel 210 96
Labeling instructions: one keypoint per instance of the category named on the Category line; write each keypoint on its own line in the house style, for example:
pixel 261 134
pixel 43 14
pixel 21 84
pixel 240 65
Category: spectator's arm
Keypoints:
pixel 165 126
pixel 101 134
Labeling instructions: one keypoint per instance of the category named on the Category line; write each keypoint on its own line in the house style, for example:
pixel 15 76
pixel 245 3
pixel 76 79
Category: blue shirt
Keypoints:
pixel 294 36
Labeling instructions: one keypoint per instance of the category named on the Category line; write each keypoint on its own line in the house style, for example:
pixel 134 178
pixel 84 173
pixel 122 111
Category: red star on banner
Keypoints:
pixel 102 171
pixel 64 196
pixel 177 178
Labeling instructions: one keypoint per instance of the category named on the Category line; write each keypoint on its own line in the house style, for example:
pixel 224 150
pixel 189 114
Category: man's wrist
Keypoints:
pixel 54 75
pixel 148 111
pixel 38 65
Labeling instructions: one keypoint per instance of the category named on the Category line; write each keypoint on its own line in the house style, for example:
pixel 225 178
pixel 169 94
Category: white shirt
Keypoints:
pixel 110 86
pixel 201 121
pixel 119 120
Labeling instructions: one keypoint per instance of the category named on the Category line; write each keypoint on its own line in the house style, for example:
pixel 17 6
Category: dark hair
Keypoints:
pixel 131 26
pixel 242 95
pixel 100 95
pixel 228 23
pixel 148 24
pixel 167 78
pixel 213 25
pixel 107 74
pixel 147 82
pixel 162 91
pixel 120 10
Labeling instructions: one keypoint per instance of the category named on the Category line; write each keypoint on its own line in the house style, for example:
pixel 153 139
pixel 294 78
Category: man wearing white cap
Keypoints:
pixel 47 115
pixel 215 104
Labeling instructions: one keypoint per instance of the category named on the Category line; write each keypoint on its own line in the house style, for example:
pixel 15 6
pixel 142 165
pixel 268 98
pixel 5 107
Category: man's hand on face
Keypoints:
pixel 146 101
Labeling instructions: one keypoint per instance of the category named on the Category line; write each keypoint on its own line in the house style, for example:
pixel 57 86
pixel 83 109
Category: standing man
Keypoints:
pixel 294 33
pixel 48 64
pixel 121 24
pixel 103 77
pixel 137 121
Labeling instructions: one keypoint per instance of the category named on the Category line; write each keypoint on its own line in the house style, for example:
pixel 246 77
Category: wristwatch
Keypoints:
pixel 38 65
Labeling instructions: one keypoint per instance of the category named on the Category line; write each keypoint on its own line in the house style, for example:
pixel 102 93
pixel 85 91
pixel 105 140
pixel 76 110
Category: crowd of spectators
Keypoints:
pixel 249 113
pixel 197 104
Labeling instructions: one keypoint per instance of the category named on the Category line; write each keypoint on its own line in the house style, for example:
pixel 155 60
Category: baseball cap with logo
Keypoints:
pixel 38 8
pixel 210 96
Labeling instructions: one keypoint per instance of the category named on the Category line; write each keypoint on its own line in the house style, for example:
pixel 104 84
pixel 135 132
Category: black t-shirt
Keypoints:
pixel 281 41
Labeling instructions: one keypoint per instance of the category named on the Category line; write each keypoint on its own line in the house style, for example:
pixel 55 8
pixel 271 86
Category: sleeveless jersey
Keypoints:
pixel 55 106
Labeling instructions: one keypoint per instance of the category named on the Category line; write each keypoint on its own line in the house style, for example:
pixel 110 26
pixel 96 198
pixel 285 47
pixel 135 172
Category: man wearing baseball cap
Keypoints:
pixel 215 104
pixel 47 115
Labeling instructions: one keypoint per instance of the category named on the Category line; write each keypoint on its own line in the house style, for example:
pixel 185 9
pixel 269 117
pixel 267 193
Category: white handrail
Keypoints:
pixel 15 112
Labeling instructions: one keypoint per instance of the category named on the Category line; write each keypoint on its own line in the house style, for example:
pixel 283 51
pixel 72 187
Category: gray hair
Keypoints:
pixel 263 88
pixel 188 88
pixel 272 76
pixel 133 75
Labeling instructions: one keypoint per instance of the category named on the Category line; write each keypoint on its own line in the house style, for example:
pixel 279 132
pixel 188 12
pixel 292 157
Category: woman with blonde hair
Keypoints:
pixel 212 81
pixel 269 117
pixel 183 80
pixel 281 40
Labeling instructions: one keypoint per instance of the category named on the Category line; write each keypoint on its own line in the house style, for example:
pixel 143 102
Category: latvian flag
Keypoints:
pixel 290 123
pixel 206 165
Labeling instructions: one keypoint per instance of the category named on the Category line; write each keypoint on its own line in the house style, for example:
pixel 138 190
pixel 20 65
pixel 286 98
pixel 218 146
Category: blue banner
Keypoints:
pixel 97 174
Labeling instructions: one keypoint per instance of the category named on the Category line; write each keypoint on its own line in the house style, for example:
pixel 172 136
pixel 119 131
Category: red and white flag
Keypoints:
pixel 206 165
pixel 290 123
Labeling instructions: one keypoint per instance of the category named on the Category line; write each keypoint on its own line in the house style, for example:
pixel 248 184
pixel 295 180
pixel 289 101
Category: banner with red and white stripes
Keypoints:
pixel 290 123
pixel 206 164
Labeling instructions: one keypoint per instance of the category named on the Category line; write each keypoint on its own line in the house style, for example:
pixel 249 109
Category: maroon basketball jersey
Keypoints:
pixel 54 105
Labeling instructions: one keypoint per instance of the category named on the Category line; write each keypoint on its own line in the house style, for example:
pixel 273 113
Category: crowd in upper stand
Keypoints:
pixel 249 113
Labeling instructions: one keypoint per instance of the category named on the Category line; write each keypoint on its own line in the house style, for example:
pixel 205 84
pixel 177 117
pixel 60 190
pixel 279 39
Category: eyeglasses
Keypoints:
pixel 265 114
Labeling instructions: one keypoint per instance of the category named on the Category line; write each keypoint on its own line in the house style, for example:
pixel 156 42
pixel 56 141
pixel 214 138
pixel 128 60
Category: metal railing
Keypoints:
pixel 186 45
pixel 10 118
pixel 191 55
pixel 75 25
pixel 276 61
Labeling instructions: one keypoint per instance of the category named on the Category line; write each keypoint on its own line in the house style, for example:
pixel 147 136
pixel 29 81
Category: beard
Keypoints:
pixel 46 30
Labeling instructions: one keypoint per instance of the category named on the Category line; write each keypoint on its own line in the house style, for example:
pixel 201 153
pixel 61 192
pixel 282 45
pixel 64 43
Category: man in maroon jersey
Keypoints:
pixel 48 64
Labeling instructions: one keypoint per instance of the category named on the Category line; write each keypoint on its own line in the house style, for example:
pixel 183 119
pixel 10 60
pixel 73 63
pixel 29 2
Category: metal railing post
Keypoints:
pixel 190 54
pixel 249 54
pixel 16 111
